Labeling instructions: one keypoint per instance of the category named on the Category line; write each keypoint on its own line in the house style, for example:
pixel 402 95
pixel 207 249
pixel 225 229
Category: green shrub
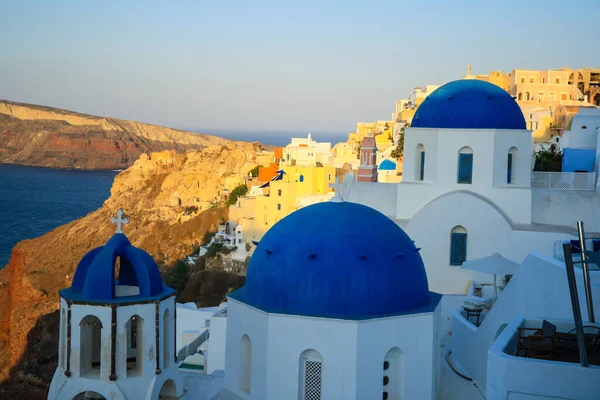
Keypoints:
pixel 177 276
pixel 237 192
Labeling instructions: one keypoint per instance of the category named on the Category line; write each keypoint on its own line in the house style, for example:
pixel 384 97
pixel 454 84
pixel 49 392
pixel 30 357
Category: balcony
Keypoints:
pixel 584 181
pixel 557 375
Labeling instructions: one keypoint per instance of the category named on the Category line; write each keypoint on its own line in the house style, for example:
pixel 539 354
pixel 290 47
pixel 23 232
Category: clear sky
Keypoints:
pixel 298 65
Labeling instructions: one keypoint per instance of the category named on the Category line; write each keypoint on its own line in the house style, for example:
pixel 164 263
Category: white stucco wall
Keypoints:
pixel 144 384
pixel 566 207
pixel 539 288
pixel 490 156
pixel 488 232
pixel 380 196
pixel 511 377
pixel 216 345
pixel 349 349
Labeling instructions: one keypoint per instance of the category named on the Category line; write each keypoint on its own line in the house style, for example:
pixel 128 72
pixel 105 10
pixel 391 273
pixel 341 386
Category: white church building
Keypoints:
pixel 466 186
pixel 117 335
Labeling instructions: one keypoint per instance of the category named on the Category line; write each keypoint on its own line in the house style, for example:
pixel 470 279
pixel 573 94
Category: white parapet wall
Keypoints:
pixel 513 377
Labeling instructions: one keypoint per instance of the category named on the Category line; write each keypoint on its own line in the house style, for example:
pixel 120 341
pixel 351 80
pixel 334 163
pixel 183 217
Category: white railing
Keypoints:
pixel 563 180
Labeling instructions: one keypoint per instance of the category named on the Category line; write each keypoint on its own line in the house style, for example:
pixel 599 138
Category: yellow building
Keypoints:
pixel 299 183
pixel 283 198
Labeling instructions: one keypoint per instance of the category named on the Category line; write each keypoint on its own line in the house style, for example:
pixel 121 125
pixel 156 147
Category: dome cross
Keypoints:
pixel 120 221
pixel 337 187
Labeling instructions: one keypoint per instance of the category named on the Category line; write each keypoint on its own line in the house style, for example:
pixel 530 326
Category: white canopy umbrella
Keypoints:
pixel 495 264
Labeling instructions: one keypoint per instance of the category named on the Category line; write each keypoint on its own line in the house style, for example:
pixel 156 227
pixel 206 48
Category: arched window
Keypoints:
pixel 90 346
pixel 551 96
pixel 527 96
pixel 134 329
pixel 465 165
pixel 245 364
pixel 420 163
pixel 62 341
pixel 301 178
pixel 393 375
pixel 167 338
pixel 511 165
pixel 458 245
pixel 520 96
pixel 311 375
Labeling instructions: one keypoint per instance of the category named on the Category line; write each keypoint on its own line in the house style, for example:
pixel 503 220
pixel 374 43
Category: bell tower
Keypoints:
pixel 367 171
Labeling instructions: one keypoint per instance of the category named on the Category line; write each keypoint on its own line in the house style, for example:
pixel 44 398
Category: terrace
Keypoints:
pixel 530 358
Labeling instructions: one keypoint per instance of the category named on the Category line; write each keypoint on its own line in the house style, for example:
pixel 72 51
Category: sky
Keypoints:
pixel 273 65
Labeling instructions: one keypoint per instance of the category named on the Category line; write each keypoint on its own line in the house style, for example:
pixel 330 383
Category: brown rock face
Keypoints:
pixel 40 267
pixel 50 137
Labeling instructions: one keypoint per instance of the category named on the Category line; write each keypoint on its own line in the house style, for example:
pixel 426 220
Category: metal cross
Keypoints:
pixel 337 186
pixel 120 221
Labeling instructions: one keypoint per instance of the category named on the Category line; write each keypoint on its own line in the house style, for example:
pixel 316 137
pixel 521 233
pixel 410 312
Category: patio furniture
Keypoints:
pixel 540 344
pixel 473 312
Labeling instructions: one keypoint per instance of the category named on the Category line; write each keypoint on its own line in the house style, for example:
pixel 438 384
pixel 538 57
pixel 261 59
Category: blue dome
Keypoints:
pixel 95 280
pixel 336 260
pixel 387 165
pixel 469 104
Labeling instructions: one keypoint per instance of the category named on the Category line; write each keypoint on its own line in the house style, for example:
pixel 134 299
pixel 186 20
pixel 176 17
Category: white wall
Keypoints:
pixel 566 207
pixel 488 232
pixel 512 377
pixel 216 344
pixel 490 155
pixel 539 288
pixel 147 384
pixel 379 196
pixel 352 351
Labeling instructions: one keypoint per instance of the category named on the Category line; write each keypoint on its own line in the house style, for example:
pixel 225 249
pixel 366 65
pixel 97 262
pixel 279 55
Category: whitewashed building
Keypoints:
pixel 466 185
pixel 326 302
pixel 117 335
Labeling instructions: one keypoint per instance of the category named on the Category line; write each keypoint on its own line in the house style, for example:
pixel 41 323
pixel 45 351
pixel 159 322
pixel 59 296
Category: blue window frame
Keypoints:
pixel 458 248
pixel 509 168
pixel 465 168
pixel 422 170
pixel 301 178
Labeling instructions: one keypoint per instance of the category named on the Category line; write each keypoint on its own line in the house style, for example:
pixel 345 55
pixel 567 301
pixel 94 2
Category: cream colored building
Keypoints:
pixel 306 152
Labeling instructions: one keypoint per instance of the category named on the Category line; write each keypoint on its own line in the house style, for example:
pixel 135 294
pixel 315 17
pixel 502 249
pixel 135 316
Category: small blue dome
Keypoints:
pixel 336 260
pixel 387 165
pixel 95 280
pixel 469 104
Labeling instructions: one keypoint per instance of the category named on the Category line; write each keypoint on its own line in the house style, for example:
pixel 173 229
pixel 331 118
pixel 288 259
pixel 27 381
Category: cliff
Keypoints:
pixel 50 137
pixel 160 194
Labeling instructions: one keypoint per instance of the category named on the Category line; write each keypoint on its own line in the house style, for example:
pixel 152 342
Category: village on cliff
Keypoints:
pixel 451 252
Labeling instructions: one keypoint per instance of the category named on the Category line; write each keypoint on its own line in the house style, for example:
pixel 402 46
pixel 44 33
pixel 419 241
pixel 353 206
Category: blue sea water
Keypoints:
pixel 34 201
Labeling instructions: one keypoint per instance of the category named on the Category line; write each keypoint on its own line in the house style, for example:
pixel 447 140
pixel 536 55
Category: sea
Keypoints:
pixel 34 201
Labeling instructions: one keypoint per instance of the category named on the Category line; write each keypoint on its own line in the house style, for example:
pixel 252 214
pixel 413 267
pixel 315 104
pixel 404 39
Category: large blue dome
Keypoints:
pixel 95 279
pixel 469 104
pixel 336 259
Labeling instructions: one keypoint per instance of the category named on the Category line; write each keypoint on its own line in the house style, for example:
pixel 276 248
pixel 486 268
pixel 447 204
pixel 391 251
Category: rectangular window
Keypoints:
pixel 557 80
pixel 422 169
pixel 509 169
pixel 278 207
pixel 537 125
pixel 465 168
pixel 278 192
pixel 458 248
pixel 522 80
pixel 531 80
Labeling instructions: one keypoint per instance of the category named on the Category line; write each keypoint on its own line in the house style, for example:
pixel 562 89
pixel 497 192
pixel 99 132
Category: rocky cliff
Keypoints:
pixel 51 137
pixel 160 194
